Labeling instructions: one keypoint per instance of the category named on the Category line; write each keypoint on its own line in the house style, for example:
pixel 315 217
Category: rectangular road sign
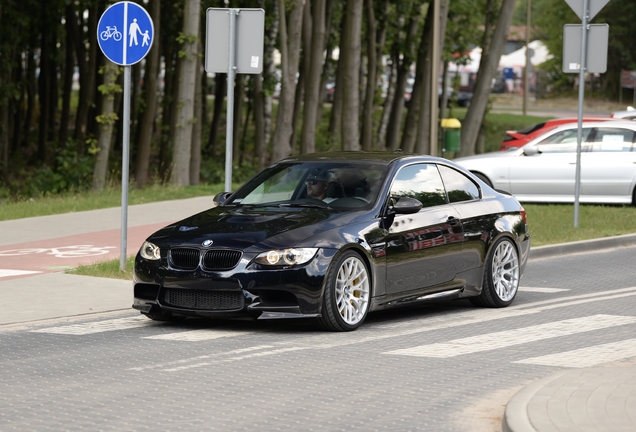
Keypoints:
pixel 250 31
pixel 596 52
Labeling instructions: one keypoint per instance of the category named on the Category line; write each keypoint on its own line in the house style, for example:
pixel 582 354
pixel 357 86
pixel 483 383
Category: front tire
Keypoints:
pixel 346 296
pixel 501 276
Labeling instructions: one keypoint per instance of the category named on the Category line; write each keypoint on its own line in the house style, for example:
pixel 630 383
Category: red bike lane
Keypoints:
pixel 63 253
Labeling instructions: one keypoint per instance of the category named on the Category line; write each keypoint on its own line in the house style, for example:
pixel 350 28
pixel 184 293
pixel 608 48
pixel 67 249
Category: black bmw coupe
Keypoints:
pixel 333 236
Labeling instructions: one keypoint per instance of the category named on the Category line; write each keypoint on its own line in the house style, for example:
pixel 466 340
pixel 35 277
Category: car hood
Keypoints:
pixel 256 228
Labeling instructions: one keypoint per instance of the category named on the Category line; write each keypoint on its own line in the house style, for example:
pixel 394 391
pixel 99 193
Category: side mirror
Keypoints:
pixel 530 150
pixel 404 205
pixel 221 197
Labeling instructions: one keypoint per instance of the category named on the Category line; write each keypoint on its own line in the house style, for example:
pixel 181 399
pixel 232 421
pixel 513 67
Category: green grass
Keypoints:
pixel 110 197
pixel 554 223
pixel 106 269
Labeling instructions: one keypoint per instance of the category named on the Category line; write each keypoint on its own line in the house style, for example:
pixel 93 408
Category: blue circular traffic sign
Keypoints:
pixel 125 33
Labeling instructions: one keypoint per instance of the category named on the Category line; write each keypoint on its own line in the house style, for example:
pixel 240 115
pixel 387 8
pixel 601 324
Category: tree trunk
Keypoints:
pixel 313 74
pixel 269 72
pixel 369 99
pixel 44 82
pixel 487 69
pixel 422 139
pixel 298 103
pixel 195 158
pixel 421 94
pixel 239 102
pixel 182 144
pixel 150 97
pixel 220 81
pixel 388 104
pixel 351 92
pixel 259 122
pixel 4 141
pixel 69 67
pixel 403 71
pixel 107 120
pixel 86 63
pixel 290 41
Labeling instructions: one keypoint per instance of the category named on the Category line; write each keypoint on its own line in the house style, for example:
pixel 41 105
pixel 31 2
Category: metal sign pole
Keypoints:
pixel 582 69
pixel 231 72
pixel 124 170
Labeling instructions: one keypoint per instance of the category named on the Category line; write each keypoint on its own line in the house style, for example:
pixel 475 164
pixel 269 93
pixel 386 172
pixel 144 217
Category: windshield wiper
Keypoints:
pixel 305 205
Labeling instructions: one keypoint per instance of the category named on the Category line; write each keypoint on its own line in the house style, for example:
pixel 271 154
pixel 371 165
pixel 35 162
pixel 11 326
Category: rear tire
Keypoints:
pixel 483 178
pixel 501 276
pixel 347 293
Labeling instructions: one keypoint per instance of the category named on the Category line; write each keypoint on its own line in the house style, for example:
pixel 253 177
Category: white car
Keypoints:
pixel 544 170
pixel 628 114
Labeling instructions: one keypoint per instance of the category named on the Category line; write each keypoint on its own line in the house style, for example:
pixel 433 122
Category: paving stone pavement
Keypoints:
pixel 579 399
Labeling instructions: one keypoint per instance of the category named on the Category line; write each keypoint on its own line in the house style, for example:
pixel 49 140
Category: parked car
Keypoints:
pixel 628 114
pixel 461 98
pixel 516 139
pixel 392 229
pixel 544 170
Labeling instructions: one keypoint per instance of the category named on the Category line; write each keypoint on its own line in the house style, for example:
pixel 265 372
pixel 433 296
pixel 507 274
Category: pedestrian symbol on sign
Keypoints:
pixel 132 43
pixel 132 33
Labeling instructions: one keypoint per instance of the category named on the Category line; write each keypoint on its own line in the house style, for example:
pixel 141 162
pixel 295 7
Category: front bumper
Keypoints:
pixel 249 289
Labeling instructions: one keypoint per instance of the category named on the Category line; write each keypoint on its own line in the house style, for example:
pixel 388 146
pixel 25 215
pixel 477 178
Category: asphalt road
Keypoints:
pixel 443 367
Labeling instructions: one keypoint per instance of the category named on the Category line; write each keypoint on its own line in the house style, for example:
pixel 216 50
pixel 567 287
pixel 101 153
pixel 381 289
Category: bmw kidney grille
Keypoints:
pixel 213 259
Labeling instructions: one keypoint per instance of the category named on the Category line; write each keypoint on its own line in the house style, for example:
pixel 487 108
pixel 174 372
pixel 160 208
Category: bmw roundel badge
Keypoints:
pixel 207 243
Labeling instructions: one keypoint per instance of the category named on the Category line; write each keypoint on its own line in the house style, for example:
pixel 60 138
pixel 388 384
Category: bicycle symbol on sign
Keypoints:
pixel 110 32
pixel 77 251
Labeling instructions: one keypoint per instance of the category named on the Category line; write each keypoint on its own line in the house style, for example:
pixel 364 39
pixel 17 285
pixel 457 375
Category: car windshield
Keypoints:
pixel 337 185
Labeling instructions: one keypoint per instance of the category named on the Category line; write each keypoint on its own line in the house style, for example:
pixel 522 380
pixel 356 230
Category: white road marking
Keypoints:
pixel 201 357
pixel 587 357
pixel 8 272
pixel 239 358
pixel 504 339
pixel 542 290
pixel 200 335
pixel 99 326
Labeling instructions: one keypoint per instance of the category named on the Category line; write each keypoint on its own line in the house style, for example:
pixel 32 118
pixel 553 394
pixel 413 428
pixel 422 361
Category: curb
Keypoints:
pixel 582 246
pixel 516 417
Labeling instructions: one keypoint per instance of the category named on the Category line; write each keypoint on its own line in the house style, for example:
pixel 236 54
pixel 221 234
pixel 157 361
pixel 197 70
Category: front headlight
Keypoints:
pixel 286 257
pixel 150 251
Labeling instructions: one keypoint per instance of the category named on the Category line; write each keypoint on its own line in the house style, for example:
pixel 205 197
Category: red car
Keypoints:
pixel 516 139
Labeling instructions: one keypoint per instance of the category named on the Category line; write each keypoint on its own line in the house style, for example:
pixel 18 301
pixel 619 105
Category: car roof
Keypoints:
pixel 386 157
pixel 575 119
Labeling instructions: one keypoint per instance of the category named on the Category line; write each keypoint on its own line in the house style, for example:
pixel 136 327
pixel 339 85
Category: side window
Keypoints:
pixel 613 140
pixel 422 182
pixel 563 142
pixel 458 186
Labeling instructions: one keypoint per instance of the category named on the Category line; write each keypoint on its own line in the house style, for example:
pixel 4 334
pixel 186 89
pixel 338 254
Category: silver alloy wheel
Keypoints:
pixel 505 271
pixel 352 291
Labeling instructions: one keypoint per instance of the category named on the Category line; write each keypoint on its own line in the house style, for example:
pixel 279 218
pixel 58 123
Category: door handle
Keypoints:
pixel 452 220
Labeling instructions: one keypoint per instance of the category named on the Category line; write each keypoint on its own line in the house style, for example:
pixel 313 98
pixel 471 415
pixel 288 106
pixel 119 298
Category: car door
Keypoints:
pixel 550 172
pixel 422 248
pixel 608 171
